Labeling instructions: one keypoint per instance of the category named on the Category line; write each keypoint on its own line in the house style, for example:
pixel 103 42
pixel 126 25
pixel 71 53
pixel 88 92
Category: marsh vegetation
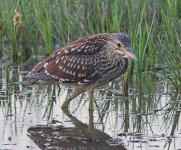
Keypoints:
pixel 148 116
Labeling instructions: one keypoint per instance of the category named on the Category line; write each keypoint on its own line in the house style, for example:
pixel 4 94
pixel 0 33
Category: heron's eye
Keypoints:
pixel 119 45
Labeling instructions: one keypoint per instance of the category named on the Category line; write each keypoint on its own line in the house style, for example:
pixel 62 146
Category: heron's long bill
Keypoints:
pixel 129 52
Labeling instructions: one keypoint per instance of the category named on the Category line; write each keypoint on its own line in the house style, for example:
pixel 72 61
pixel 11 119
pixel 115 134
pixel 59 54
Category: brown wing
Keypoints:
pixel 75 63
pixel 75 69
pixel 38 73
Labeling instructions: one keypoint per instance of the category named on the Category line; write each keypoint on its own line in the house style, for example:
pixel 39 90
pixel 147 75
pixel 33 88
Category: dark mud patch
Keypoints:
pixel 59 137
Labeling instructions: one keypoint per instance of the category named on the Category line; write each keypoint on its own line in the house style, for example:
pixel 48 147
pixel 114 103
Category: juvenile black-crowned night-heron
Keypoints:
pixel 86 63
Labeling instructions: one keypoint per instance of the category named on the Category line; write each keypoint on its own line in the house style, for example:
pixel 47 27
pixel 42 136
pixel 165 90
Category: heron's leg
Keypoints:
pixel 91 128
pixel 78 90
pixel 90 92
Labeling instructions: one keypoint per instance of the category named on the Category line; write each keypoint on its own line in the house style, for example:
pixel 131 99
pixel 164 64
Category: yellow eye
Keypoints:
pixel 119 45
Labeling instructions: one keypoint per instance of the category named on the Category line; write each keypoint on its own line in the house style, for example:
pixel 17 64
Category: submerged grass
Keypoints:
pixel 152 25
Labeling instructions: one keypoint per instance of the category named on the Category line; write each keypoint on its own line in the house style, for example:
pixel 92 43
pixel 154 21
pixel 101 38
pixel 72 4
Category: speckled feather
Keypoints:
pixel 81 62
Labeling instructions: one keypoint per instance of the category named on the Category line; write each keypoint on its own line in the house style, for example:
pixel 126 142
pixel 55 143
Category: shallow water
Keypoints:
pixel 138 121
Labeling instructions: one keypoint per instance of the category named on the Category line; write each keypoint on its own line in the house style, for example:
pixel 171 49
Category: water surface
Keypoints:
pixel 142 120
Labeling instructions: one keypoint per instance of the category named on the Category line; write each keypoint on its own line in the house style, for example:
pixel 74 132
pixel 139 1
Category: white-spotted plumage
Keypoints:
pixel 68 65
pixel 72 49
pixel 71 65
pixel 64 70
pixel 65 61
pixel 66 51
pixel 57 61
pixel 47 72
pixel 45 65
pixel 60 67
pixel 85 61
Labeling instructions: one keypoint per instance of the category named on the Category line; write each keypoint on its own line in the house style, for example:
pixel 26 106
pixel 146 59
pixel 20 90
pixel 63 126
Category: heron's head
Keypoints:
pixel 122 43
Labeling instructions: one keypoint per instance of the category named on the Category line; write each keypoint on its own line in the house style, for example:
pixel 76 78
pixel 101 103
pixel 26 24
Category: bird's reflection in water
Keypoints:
pixel 81 136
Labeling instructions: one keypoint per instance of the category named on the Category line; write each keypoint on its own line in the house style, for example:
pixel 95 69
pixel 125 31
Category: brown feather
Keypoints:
pixel 74 59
